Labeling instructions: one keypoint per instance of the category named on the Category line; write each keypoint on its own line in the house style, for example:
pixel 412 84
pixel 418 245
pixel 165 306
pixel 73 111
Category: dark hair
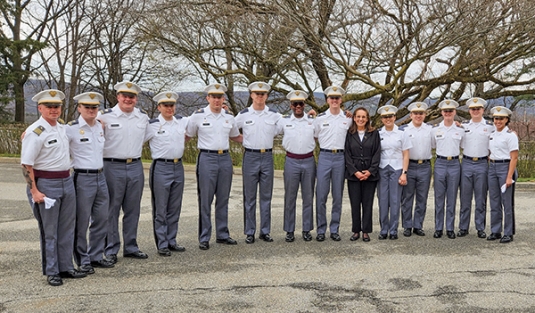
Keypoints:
pixel 369 127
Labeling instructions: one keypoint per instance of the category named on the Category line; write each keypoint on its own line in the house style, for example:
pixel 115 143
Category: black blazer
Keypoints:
pixel 363 155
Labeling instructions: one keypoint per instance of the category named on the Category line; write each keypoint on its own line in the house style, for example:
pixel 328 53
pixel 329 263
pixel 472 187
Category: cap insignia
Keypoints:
pixel 386 109
pixel 217 86
pixel 92 96
pixel 260 85
pixel 498 109
pixel 475 100
pixel 418 105
pixel 447 101
pixel 53 93
pixel 334 88
pixel 297 93
pixel 129 85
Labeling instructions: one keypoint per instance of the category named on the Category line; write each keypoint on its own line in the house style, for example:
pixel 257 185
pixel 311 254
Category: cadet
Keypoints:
pixel 213 127
pixel 503 146
pixel 474 168
pixel 447 139
pixel 125 127
pixel 299 166
pixel 419 172
pixel 167 135
pixel 259 126
pixel 330 128
pixel 392 171
pixel 45 161
pixel 86 142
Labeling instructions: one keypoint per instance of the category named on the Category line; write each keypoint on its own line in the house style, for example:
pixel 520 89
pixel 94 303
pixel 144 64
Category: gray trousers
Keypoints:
pixel 214 178
pixel 92 202
pixel 56 224
pixel 474 180
pixel 331 168
pixel 257 170
pixel 166 181
pixel 418 182
pixel 446 184
pixel 125 184
pixel 299 172
pixel 502 208
pixel 389 194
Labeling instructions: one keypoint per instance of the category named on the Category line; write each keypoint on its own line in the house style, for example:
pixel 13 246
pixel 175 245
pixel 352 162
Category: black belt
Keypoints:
pixel 51 174
pixel 300 156
pixel 332 150
pixel 420 161
pixel 168 160
pixel 122 160
pixel 258 150
pixel 214 151
pixel 500 161
pixel 474 158
pixel 448 157
pixel 85 171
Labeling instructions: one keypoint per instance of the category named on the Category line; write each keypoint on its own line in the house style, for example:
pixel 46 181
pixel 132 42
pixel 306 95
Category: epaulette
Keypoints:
pixel 322 114
pixel 272 110
pixel 312 116
pixel 106 111
pixel 39 130
pixel 178 117
pixel 465 122
pixel 73 122
pixel 402 127
pixel 154 120
pixel 460 126
pixel 228 112
pixel 489 123
pixel 435 125
pixel 286 116
pixel 244 110
pixel 61 121
pixel 142 111
pixel 199 111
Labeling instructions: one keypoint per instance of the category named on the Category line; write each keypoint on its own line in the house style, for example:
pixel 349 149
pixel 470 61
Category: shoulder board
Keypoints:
pixel 311 116
pixel 39 130
pixel 435 125
pixel 61 121
pixel 286 116
pixel 489 123
pixel 461 126
pixel 465 122
pixel 322 114
pixel 178 116
pixel 154 120
pixel 244 110
pixel 106 111
pixel 272 110
pixel 199 111
pixel 73 122
pixel 402 127
pixel 142 111
pixel 228 112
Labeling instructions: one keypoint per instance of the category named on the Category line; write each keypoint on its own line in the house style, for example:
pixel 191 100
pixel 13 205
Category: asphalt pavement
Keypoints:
pixel 411 274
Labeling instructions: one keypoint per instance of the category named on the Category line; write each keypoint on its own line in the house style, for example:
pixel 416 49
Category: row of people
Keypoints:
pixel 108 174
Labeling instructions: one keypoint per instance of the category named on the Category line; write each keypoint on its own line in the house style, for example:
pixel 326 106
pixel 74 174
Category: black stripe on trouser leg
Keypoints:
pixel 153 202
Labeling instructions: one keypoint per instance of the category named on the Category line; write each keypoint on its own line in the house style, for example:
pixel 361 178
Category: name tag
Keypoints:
pixel 248 122
pixel 84 139
pixel 52 141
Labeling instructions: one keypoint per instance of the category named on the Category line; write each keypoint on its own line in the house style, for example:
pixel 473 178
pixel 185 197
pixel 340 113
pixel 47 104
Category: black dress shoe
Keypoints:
pixel 506 239
pixel 249 239
pixel 494 236
pixel 290 236
pixel 111 258
pixel 450 234
pixel 355 237
pixel 227 241
pixel 462 232
pixel 382 236
pixel 335 237
pixel 320 237
pixel 481 234
pixel 365 237
pixel 176 247
pixel 418 231
pixel 393 236
pixel 164 252
pixel 87 268
pixel 407 232
pixel 136 255
pixel 437 234
pixel 307 236
pixel 204 245
pixel 266 237
pixel 54 280
pixel 102 263
pixel 72 274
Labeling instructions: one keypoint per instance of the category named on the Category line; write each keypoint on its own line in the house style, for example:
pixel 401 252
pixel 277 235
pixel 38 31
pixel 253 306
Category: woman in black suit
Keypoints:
pixel 362 156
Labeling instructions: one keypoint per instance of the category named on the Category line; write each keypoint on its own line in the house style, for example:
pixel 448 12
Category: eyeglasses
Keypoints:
pixel 448 111
pixel 335 97
pixel 298 104
pixel 90 107
pixel 387 116
pixel 499 118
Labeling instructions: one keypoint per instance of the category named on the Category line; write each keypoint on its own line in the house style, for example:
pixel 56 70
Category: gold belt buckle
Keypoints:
pixel 262 150
pixel 128 161
pixel 219 151
pixel 335 151
pixel 175 160
pixel 475 159
pixel 420 161
pixel 449 158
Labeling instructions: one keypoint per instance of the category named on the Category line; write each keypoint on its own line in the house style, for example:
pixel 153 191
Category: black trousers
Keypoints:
pixel 361 195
